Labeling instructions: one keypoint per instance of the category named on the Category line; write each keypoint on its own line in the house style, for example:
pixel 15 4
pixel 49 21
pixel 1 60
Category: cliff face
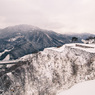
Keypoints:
pixel 48 72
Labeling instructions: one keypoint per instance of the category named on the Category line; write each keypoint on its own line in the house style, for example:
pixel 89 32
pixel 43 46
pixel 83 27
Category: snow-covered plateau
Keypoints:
pixel 84 88
pixel 50 71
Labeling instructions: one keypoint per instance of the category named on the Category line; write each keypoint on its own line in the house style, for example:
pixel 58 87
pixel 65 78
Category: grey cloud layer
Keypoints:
pixel 59 15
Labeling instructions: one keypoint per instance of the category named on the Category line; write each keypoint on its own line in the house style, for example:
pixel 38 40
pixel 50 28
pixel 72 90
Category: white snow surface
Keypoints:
pixel 7 58
pixel 60 49
pixel 11 61
pixel 25 58
pixel 4 51
pixel 14 39
pixel 84 88
pixel 90 41
pixel 90 47
pixel 59 59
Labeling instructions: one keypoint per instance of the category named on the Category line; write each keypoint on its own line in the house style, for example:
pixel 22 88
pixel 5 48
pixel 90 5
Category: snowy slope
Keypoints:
pixel 27 39
pixel 4 52
pixel 50 71
pixel 84 88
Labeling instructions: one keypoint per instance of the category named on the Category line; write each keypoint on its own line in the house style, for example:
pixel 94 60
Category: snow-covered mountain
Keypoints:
pixel 50 71
pixel 27 39
pixel 21 40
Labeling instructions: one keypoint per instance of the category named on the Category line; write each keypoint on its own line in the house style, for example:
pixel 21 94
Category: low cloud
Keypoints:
pixel 61 15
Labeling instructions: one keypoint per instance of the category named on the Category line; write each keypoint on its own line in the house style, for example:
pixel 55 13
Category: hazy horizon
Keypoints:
pixel 63 16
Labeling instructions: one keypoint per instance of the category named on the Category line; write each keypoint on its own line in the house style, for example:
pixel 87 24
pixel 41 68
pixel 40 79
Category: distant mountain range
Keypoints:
pixel 20 40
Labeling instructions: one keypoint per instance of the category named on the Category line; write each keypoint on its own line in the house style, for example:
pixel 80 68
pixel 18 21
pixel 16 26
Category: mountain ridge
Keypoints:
pixel 26 39
pixel 48 72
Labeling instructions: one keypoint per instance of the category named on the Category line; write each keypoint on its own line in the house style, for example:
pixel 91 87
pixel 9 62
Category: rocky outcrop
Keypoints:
pixel 48 72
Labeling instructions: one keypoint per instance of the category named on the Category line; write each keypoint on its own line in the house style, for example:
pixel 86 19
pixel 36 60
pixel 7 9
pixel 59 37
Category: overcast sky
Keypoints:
pixel 64 16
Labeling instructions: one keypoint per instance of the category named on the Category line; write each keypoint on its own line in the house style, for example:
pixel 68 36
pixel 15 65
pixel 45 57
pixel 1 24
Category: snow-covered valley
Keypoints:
pixel 50 71
pixel 84 88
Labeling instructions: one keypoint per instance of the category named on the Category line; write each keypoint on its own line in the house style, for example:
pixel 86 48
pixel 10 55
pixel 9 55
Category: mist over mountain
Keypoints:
pixel 17 41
